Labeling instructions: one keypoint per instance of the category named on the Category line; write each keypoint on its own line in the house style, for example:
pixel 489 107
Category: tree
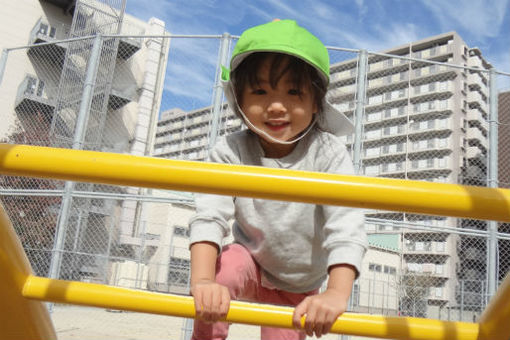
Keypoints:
pixel 415 289
pixel 33 214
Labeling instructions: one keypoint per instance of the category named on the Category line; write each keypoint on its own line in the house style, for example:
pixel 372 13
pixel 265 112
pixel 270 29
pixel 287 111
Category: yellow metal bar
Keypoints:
pixel 20 318
pixel 90 294
pixel 278 184
pixel 495 320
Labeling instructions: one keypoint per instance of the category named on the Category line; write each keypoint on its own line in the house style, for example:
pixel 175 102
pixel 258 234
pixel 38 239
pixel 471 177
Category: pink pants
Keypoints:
pixel 237 270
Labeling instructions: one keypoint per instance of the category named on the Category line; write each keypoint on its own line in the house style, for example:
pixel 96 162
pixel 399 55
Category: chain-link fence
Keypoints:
pixel 422 112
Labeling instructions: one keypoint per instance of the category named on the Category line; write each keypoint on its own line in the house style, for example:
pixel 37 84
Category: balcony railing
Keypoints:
pixel 32 97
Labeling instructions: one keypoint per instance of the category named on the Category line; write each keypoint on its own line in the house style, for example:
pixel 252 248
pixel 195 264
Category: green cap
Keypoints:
pixel 287 37
pixel 284 36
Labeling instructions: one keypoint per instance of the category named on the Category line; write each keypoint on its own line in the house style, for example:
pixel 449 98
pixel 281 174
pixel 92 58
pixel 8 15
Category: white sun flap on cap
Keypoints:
pixel 332 120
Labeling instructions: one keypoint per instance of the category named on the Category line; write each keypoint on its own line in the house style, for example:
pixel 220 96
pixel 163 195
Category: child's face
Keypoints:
pixel 282 112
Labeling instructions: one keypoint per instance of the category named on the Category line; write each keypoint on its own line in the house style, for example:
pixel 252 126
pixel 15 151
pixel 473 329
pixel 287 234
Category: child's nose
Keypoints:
pixel 276 106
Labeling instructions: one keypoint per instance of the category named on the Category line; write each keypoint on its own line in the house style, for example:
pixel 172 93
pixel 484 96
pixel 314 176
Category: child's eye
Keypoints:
pixel 294 92
pixel 258 91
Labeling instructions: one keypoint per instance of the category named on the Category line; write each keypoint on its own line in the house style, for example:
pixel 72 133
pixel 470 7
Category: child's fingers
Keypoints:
pixel 311 320
pixel 197 298
pixel 317 323
pixel 225 302
pixel 299 311
pixel 206 305
pixel 218 302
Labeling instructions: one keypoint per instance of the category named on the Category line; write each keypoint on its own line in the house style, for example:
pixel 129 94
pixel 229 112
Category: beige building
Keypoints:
pixel 425 121
pixel 40 79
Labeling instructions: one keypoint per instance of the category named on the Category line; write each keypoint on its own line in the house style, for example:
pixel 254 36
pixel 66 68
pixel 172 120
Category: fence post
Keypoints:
pixel 217 92
pixel 78 139
pixel 461 309
pixel 492 181
pixel 360 108
pixel 3 63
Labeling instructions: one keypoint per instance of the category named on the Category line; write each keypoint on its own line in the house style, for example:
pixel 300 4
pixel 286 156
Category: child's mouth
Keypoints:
pixel 277 126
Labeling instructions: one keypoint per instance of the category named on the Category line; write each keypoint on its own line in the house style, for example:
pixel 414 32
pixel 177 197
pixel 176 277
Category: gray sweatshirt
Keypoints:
pixel 294 243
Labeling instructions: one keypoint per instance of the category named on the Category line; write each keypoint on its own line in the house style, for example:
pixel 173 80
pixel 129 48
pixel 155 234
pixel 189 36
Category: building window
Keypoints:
pixel 355 296
pixel 181 231
pixel 43 29
pixel 374 267
pixel 390 270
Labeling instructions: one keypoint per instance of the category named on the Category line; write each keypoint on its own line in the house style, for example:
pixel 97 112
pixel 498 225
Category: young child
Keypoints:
pixel 282 251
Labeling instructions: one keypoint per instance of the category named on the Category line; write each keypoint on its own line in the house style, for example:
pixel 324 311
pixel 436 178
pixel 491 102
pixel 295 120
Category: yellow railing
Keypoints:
pixel 21 289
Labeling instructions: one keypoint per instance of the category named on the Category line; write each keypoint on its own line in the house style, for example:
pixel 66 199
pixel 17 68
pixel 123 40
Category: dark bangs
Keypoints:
pixel 303 75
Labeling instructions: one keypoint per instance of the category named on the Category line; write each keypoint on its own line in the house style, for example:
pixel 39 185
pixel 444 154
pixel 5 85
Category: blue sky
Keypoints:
pixel 374 25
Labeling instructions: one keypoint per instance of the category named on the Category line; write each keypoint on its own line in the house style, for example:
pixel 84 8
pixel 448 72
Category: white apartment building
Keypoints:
pixel 425 121
pixel 422 121
pixel 29 93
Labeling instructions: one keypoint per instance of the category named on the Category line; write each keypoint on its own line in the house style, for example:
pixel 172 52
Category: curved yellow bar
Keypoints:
pixel 90 294
pixel 20 318
pixel 495 320
pixel 278 184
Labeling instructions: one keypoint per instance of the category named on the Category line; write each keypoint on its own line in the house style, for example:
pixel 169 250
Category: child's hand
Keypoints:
pixel 212 300
pixel 321 311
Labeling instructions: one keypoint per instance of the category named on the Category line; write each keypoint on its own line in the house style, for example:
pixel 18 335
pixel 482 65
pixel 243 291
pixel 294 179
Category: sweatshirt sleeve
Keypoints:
pixel 344 235
pixel 213 212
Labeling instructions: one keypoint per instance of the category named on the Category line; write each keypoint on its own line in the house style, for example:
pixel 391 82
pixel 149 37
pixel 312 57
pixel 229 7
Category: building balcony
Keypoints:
pixel 434 166
pixel 433 248
pixel 476 117
pixel 46 32
pixel 131 42
pixel 433 52
pixel 475 97
pixel 477 81
pixel 475 61
pixel 121 96
pixel 474 152
pixel 430 127
pixel 32 97
pixel 67 5
pixel 52 32
pixel 476 136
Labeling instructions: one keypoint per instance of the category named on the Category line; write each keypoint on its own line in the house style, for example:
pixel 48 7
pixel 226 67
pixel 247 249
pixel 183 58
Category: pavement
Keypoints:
pixel 86 323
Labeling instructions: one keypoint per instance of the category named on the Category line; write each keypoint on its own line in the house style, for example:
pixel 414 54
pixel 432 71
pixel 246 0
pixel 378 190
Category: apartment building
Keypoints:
pixel 422 120
pixel 426 121
pixel 185 135
pixel 43 84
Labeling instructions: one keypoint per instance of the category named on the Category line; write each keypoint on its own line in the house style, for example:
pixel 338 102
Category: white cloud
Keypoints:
pixel 389 36
pixel 481 18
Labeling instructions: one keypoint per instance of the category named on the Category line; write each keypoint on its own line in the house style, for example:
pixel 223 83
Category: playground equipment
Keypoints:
pixel 23 315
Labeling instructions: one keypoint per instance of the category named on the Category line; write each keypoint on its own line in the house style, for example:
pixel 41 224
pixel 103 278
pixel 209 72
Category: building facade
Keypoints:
pixel 42 89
